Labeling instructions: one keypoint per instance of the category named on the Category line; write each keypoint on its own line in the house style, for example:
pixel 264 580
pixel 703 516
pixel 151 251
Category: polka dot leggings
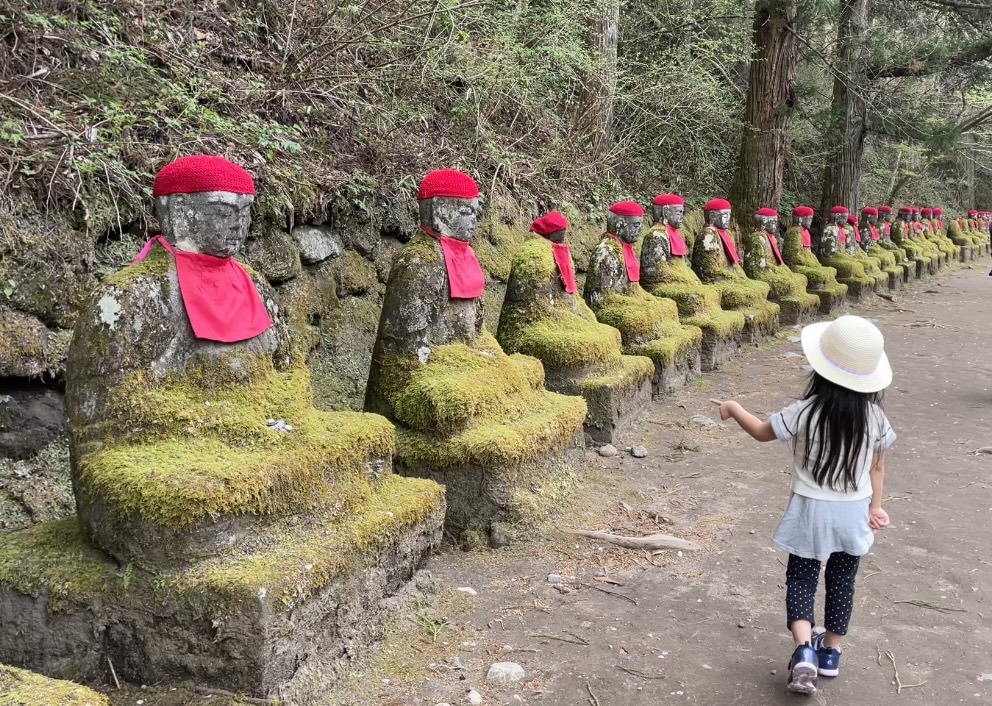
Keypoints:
pixel 802 576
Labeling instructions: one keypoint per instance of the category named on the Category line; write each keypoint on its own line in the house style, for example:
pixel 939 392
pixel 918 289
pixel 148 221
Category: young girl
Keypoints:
pixel 839 435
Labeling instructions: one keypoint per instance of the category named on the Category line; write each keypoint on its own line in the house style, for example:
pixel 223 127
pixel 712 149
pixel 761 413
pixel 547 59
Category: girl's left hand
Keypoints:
pixel 877 519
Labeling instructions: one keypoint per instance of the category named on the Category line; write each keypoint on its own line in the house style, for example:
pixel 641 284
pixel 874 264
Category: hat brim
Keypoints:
pixel 876 381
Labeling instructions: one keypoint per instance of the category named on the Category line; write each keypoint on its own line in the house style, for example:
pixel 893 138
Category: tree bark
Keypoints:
pixel 594 116
pixel 848 119
pixel 771 96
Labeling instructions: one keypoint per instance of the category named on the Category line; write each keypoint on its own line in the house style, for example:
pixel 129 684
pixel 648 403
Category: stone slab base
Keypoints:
pixel 831 304
pixel 754 333
pixel 299 603
pixel 965 253
pixel 670 379
pixel 792 314
pixel 895 281
pixel 478 497
pixel 614 409
pixel 716 350
pixel 19 687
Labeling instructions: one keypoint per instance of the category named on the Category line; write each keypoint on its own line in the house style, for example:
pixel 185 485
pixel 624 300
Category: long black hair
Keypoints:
pixel 837 432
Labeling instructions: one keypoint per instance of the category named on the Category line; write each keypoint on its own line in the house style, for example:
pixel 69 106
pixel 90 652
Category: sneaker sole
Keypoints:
pixel 829 672
pixel 803 680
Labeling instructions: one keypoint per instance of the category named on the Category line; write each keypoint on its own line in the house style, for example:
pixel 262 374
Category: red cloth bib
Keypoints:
pixel 563 258
pixel 728 246
pixel 807 240
pixel 465 276
pixel 676 242
pixel 874 232
pixel 221 301
pixel 887 229
pixel 771 241
pixel 842 235
pixel 630 260
pixel 857 233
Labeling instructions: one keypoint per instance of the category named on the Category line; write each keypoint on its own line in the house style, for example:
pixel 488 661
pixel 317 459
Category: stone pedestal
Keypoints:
pixel 670 277
pixel 648 326
pixel 580 356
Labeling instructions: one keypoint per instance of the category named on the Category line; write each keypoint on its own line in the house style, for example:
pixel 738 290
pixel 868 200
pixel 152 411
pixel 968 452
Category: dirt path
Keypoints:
pixel 709 629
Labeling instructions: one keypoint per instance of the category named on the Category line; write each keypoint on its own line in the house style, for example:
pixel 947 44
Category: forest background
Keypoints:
pixel 339 107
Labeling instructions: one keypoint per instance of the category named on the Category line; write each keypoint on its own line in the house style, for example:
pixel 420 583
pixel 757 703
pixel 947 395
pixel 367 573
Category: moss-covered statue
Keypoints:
pixel 797 253
pixel 894 273
pixel 833 253
pixel 716 260
pixel 543 317
pixel 763 262
pixel 884 227
pixel 982 232
pixel 665 273
pixel 902 235
pixel 956 231
pixel 928 231
pixel 231 507
pixel 856 249
pixel 919 233
pixel 467 414
pixel 649 326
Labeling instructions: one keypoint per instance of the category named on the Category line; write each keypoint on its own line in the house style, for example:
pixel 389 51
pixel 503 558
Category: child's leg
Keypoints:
pixel 801 578
pixel 840 574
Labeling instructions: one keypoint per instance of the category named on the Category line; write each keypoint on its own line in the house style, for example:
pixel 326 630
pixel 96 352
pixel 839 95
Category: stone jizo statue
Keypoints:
pixel 834 253
pixel 870 239
pixel 797 252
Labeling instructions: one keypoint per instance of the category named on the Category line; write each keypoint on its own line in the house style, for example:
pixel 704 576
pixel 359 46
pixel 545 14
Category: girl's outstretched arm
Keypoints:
pixel 759 430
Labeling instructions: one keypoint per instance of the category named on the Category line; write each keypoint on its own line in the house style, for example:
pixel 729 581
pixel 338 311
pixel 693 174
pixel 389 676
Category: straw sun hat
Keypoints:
pixel 848 351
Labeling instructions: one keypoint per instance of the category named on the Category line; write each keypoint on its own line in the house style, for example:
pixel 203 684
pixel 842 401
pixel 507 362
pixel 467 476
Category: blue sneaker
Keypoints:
pixel 803 670
pixel 828 659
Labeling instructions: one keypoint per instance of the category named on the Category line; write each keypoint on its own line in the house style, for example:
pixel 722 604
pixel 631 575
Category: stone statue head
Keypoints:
pixel 203 204
pixel 802 216
pixel 449 204
pixel 884 214
pixel 838 216
pixel 869 215
pixel 766 219
pixel 552 226
pixel 915 215
pixel 905 215
pixel 717 212
pixel 668 209
pixel 625 220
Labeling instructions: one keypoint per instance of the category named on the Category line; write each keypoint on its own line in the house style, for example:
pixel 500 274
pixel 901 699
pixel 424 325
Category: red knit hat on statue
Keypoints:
pixel 766 212
pixel 549 223
pixel 926 212
pixel 885 209
pixel 972 213
pixel 914 210
pixel 838 210
pixel 870 211
pixel 668 200
pixel 938 212
pixel 627 208
pixel 852 220
pixel 717 205
pixel 200 173
pixel 802 211
pixel 448 183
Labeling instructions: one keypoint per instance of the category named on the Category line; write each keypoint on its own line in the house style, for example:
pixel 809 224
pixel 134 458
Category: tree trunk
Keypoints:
pixel 594 116
pixel 771 95
pixel 848 120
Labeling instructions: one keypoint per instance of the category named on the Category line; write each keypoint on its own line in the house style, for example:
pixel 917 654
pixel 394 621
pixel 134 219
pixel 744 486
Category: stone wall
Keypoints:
pixel 330 274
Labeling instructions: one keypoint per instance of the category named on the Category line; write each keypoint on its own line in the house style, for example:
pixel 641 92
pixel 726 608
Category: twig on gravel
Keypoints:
pixel 610 593
pixel 572 638
pixel 113 673
pixel 639 673
pixel 651 541
pixel 208 691
pixel 592 697
pixel 534 606
pixel 895 670
pixel 931 606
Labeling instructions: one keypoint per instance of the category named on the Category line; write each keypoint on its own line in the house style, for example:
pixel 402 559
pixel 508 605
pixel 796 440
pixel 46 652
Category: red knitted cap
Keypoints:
pixel 938 212
pixel 905 209
pixel 766 212
pixel 802 211
pixel 549 223
pixel 199 173
pixel 885 209
pixel 926 212
pixel 839 209
pixel 973 213
pixel 870 211
pixel 448 183
pixel 627 208
pixel 717 205
pixel 668 200
pixel 852 220
pixel 914 210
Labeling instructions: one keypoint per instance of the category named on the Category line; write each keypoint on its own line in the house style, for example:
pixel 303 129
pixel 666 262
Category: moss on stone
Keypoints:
pixel 19 687
pixel 199 446
pixel 638 316
pixel 785 285
pixel 23 349
pixel 354 274
pixel 495 244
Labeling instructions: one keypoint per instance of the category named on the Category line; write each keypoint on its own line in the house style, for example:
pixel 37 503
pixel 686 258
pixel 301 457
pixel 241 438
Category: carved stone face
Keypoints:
pixel 450 217
pixel 839 219
pixel 669 215
pixel 627 228
pixel 802 221
pixel 905 217
pixel 769 224
pixel 884 217
pixel 213 222
pixel 557 237
pixel 718 219
pixel 870 219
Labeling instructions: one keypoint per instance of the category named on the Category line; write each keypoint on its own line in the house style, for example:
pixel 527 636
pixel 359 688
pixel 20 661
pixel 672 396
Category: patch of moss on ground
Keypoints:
pixel 19 687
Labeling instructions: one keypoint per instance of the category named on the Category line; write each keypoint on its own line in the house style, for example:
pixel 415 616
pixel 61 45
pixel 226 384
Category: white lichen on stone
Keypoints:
pixel 424 354
pixel 110 310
